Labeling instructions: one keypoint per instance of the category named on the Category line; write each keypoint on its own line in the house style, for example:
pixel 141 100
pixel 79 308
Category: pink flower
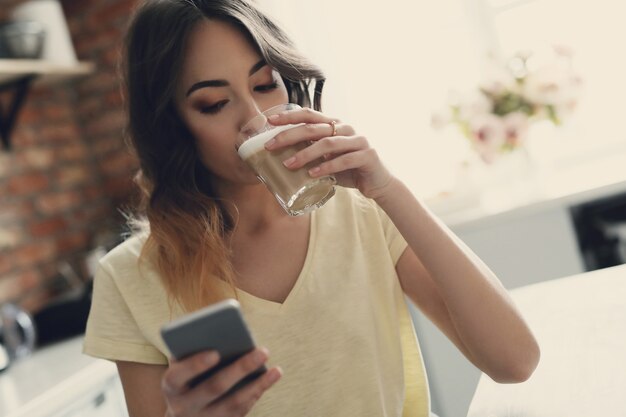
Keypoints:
pixel 516 129
pixel 496 116
pixel 488 135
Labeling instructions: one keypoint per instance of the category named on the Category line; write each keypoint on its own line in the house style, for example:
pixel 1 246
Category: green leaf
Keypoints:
pixel 554 118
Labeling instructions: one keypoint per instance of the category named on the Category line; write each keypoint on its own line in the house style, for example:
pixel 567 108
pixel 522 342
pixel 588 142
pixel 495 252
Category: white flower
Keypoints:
pixel 550 85
pixel 497 80
pixel 472 105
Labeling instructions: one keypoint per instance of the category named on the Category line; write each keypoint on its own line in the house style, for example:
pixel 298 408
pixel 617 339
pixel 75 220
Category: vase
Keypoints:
pixel 509 178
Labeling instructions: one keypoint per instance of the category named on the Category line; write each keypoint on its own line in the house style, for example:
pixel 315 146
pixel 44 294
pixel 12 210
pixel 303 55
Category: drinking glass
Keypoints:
pixel 296 191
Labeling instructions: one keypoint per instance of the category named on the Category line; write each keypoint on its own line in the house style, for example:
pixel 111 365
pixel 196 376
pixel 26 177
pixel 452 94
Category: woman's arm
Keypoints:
pixel 142 388
pixel 458 291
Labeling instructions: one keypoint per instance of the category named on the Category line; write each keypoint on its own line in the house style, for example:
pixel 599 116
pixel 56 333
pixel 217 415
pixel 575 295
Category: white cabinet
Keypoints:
pixel 105 401
pixel 59 381
pixel 525 248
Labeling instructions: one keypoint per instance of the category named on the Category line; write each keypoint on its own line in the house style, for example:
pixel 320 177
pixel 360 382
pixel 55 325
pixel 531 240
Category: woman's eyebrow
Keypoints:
pixel 223 83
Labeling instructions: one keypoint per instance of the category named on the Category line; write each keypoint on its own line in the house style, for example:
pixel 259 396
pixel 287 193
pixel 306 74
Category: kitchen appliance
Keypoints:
pixel 22 39
pixel 58 45
pixel 601 231
pixel 17 333
pixel 63 317
pixel 4 54
pixel 4 358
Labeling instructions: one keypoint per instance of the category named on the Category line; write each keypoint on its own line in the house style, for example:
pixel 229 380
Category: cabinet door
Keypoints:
pixel 108 401
pixel 524 249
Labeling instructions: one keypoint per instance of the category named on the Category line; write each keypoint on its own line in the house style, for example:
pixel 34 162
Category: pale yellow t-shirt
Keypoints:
pixel 343 336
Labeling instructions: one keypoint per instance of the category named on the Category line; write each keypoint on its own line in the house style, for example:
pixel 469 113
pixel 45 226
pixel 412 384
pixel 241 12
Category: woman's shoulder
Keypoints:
pixel 350 200
pixel 352 207
pixel 125 256
pixel 346 197
pixel 125 272
pixel 129 248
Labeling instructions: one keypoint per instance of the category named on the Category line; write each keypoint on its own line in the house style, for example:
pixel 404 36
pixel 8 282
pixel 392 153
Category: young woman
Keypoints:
pixel 323 293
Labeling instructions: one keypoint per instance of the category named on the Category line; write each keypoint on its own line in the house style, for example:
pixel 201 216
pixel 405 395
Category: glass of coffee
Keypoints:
pixel 296 191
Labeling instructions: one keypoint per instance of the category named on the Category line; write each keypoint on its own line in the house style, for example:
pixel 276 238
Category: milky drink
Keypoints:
pixel 295 190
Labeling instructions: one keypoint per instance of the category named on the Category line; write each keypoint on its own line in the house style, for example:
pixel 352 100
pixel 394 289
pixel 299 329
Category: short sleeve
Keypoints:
pixel 395 240
pixel 374 216
pixel 112 332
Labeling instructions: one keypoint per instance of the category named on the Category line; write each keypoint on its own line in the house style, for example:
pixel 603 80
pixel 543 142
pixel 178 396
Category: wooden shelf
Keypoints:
pixel 47 72
pixel 18 75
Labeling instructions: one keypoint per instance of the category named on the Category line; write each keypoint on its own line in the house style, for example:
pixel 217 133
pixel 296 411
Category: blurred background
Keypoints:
pixel 503 115
pixel 390 70
pixel 391 65
pixel 67 171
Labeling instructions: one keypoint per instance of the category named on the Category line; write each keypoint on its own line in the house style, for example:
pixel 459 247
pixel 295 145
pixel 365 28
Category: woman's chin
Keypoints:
pixel 250 178
pixel 247 175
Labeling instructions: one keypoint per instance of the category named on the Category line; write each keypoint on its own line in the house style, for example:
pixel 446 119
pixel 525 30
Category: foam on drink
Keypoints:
pixel 257 143
pixel 296 191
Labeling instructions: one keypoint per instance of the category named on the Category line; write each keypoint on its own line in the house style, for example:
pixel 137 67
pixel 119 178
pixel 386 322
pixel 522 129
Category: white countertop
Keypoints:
pixel 580 325
pixel 585 182
pixel 50 379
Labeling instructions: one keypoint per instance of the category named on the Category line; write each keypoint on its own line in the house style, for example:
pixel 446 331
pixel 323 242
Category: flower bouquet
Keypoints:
pixel 496 116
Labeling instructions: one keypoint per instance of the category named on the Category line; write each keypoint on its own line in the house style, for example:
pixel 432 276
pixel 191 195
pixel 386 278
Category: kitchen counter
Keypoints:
pixel 587 181
pixel 54 381
pixel 580 324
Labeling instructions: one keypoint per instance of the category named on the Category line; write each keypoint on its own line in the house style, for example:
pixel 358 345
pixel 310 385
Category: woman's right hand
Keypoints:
pixel 204 398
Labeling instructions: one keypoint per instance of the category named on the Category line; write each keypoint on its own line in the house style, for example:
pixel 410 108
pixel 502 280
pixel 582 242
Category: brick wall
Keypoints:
pixel 69 169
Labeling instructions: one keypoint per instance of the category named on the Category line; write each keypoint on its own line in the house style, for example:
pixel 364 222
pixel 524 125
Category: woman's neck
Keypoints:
pixel 252 207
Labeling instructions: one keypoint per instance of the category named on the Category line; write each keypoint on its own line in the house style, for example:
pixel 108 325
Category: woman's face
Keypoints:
pixel 224 83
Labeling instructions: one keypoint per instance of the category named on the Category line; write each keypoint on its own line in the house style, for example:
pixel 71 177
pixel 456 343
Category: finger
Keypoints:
pixel 306 132
pixel 220 383
pixel 242 401
pixel 344 162
pixel 304 115
pixel 325 148
pixel 179 373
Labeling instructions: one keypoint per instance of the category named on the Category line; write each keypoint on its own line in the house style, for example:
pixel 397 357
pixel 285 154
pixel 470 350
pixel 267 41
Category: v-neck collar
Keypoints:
pixel 275 307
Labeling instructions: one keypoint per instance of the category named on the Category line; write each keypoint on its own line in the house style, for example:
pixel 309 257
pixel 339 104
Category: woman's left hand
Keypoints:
pixel 345 155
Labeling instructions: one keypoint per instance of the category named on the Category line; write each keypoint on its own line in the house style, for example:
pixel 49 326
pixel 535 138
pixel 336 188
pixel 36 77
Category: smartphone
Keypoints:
pixel 219 327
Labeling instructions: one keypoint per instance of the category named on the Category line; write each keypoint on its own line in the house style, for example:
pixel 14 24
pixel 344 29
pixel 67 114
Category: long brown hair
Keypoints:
pixel 186 223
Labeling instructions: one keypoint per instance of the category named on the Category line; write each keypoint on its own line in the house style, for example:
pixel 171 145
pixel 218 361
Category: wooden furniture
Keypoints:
pixel 46 72
pixel 17 75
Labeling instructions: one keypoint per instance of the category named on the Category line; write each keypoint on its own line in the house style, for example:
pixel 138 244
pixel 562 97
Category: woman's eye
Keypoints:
pixel 214 108
pixel 266 87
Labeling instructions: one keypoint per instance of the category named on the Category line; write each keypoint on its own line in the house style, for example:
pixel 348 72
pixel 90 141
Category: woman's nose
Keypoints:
pixel 250 110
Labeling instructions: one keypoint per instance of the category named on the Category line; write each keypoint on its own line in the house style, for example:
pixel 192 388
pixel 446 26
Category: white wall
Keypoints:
pixel 389 65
